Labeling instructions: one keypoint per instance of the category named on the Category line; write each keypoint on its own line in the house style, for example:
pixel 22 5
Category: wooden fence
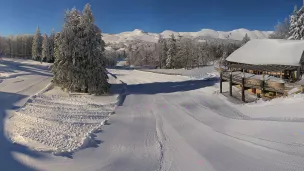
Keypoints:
pixel 256 83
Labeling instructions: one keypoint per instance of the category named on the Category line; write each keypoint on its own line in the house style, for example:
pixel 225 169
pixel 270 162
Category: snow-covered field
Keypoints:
pixel 172 123
pixel 203 72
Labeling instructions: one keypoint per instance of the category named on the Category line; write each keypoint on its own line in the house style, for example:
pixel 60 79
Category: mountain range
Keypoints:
pixel 142 36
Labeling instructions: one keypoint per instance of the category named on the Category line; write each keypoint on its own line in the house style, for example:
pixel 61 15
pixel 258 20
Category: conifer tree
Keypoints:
pixel 79 57
pixel 296 29
pixel 51 40
pixel 171 53
pixel 45 49
pixel 245 39
pixel 37 45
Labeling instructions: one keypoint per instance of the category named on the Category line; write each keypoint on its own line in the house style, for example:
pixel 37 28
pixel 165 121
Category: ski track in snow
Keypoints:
pixel 165 123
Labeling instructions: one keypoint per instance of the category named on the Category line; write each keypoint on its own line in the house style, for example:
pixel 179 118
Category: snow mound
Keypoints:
pixel 57 122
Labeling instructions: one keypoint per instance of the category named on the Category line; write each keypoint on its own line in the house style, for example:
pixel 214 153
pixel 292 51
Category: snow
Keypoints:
pixel 269 51
pixel 57 122
pixel 193 73
pixel 172 123
pixel 282 109
pixel 207 33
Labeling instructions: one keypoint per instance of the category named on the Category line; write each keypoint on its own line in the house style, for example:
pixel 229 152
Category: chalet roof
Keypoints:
pixel 269 52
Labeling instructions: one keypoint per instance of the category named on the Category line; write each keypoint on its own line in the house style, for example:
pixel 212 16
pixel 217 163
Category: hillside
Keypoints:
pixel 204 34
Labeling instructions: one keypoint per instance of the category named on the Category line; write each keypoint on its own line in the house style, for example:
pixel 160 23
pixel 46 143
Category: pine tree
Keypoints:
pixel 245 39
pixel 45 49
pixel 171 53
pixel 162 53
pixel 56 45
pixel 296 29
pixel 51 46
pixel 79 57
pixel 37 45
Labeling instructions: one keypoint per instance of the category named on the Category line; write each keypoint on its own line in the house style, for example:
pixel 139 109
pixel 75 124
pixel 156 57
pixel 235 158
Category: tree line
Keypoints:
pixel 174 53
pixel 16 46
pixel 36 46
pixel 78 52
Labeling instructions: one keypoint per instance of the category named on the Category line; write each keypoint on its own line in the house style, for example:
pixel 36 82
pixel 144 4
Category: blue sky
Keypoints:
pixel 114 16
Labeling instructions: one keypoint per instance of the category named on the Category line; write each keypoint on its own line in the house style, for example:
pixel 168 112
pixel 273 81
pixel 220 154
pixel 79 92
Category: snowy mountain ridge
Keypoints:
pixel 140 35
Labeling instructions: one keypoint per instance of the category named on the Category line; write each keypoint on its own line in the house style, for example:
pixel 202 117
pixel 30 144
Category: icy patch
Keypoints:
pixel 54 121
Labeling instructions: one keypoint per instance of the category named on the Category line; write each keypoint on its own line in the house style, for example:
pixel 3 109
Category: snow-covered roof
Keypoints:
pixel 269 52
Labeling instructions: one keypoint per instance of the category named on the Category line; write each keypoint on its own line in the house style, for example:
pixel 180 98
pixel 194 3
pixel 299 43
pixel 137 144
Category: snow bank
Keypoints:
pixel 58 122
pixel 269 51
pixel 198 73
pixel 279 109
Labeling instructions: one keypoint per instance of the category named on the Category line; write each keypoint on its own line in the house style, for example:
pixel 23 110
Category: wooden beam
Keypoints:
pixel 230 84
pixel 243 89
pixel 263 85
pixel 221 82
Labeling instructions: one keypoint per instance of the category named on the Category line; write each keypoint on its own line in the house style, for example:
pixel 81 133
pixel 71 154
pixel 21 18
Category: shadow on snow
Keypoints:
pixel 15 67
pixel 7 148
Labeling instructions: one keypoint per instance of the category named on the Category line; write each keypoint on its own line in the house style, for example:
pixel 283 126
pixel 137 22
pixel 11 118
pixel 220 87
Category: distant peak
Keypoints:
pixel 138 31
pixel 242 29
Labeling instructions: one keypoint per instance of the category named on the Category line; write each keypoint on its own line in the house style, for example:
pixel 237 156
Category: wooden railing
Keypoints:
pixel 256 83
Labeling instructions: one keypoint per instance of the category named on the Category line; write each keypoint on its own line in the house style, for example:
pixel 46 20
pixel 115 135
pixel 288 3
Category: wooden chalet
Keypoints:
pixel 265 67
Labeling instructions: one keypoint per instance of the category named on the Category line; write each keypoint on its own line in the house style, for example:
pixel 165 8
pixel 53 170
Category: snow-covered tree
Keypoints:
pixel 245 39
pixel 45 56
pixel 163 52
pixel 56 44
pixel 37 45
pixel 171 53
pixel 296 29
pixel 281 30
pixel 79 57
pixel 51 40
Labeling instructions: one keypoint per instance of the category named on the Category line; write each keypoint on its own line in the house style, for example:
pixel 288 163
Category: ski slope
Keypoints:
pixel 177 123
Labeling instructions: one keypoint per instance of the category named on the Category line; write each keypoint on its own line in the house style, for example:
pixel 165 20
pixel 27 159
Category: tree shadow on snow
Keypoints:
pixel 7 148
pixel 15 67
pixel 168 87
pixel 159 87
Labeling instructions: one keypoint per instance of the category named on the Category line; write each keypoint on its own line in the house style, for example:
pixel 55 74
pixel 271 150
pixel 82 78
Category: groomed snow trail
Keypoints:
pixel 175 123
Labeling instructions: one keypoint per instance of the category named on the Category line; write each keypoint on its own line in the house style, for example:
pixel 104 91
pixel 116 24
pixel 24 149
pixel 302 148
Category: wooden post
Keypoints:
pixel 254 90
pixel 298 73
pixel 221 82
pixel 230 84
pixel 243 89
pixel 263 84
